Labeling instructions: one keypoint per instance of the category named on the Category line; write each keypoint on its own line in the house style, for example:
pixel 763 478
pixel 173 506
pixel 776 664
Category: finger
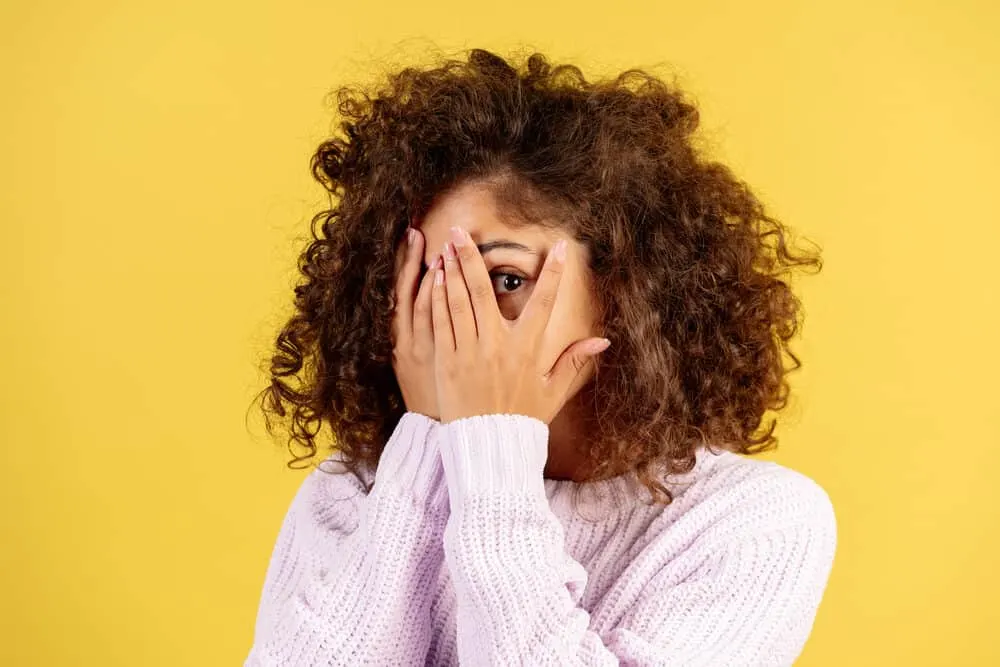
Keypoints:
pixel 535 316
pixel 463 320
pixel 408 271
pixel 477 281
pixel 571 363
pixel 423 327
pixel 444 337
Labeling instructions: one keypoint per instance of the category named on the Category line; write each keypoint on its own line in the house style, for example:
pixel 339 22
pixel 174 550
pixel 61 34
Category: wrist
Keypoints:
pixel 487 455
pixel 410 463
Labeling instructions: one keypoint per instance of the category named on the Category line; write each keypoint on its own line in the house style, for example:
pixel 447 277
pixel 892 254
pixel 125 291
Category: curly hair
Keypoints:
pixel 690 271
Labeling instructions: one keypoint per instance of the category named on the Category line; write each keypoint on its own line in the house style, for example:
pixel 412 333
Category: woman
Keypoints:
pixel 497 225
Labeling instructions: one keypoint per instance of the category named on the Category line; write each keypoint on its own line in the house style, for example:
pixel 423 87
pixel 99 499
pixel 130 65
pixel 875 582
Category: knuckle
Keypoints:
pixel 481 292
pixel 466 253
pixel 456 306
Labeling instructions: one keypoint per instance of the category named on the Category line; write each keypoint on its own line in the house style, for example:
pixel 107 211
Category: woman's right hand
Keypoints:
pixel 412 329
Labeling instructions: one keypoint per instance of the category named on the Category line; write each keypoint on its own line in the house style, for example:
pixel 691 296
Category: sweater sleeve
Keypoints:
pixel 750 602
pixel 350 575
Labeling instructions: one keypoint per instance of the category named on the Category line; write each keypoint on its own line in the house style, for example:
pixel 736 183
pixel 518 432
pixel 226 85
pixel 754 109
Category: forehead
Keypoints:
pixel 472 206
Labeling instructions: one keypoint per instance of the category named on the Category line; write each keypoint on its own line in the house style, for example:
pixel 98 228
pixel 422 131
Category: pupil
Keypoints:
pixel 509 280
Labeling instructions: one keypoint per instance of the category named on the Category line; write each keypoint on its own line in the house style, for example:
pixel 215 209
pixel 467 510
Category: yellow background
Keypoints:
pixel 154 193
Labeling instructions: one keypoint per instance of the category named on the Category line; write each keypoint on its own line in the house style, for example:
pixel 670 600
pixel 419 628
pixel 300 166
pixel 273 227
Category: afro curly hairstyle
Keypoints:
pixel 690 270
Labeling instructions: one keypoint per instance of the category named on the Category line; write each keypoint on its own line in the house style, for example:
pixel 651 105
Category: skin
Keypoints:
pixel 513 273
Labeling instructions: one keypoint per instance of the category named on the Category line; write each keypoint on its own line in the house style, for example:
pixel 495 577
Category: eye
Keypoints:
pixel 507 283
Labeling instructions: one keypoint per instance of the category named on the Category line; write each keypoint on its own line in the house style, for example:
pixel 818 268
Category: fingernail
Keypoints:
pixel 458 236
pixel 411 235
pixel 438 277
pixel 449 251
pixel 601 345
pixel 559 251
pixel 437 263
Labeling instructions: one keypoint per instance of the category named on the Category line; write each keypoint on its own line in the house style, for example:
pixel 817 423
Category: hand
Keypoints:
pixel 412 331
pixel 486 364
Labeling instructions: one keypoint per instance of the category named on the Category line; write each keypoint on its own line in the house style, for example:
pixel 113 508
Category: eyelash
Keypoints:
pixel 493 277
pixel 523 279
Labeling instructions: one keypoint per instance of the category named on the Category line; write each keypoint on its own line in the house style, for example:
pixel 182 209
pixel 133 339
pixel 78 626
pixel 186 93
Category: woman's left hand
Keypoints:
pixel 486 364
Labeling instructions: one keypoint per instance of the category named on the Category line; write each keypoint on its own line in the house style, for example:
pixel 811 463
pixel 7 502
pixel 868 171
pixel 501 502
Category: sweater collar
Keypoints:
pixel 624 490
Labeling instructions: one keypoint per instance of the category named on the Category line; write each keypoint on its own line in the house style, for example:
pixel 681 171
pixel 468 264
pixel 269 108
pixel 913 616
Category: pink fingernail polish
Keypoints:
pixel 457 237
pixel 559 251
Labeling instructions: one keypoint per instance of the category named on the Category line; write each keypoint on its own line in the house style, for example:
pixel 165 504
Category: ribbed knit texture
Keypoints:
pixel 463 553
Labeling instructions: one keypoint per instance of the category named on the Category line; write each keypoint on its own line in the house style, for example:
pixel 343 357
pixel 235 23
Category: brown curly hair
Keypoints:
pixel 690 271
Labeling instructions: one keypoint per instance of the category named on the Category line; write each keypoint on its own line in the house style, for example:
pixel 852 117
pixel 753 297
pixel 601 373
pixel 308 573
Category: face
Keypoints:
pixel 514 259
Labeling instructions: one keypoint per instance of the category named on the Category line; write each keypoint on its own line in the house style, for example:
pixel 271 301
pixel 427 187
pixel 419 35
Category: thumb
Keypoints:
pixel 574 359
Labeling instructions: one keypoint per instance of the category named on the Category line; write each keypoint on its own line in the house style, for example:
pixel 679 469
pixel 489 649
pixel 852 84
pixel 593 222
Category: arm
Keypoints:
pixel 349 577
pixel 750 602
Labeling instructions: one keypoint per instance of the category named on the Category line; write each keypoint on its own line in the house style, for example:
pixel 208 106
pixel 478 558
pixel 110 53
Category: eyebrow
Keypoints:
pixel 500 244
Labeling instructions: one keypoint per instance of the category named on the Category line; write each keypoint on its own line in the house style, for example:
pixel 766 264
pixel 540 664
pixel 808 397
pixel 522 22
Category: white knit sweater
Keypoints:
pixel 464 554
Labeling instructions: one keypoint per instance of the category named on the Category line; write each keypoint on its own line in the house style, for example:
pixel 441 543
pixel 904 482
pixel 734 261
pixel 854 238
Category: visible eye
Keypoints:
pixel 507 283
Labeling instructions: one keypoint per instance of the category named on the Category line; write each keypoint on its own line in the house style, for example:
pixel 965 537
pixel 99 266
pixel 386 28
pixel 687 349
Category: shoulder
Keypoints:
pixel 739 497
pixel 744 539
pixel 330 495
